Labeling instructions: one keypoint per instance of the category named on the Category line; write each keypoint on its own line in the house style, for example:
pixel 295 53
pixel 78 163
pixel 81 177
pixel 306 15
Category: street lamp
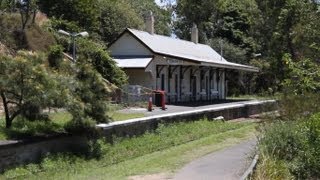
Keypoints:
pixel 257 55
pixel 73 38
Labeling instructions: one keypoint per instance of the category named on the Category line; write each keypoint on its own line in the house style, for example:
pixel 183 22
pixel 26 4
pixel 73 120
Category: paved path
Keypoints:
pixel 226 164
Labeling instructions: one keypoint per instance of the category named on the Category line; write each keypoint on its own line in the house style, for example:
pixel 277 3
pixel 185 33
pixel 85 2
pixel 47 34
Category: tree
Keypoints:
pixel 85 13
pixel 303 75
pixel 222 24
pixel 287 26
pixel 229 20
pixel 95 54
pixel 28 10
pixel 106 19
pixel 115 17
pixel 162 15
pixel 92 93
pixel 7 5
pixel 24 81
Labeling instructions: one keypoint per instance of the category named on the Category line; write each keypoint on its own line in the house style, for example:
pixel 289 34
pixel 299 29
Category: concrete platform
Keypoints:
pixel 185 107
pixel 181 113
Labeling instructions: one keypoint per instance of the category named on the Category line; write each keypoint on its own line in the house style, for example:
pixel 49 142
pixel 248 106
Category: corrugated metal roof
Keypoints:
pixel 186 50
pixel 133 62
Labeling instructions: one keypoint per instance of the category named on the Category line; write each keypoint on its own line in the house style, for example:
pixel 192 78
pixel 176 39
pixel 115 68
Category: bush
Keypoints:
pixel 55 56
pixel 297 143
pixel 297 106
pixel 23 129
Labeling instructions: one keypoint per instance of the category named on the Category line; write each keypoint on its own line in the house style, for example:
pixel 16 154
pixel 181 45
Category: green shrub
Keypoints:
pixel 297 106
pixel 297 143
pixel 283 139
pixel 22 128
pixel 55 56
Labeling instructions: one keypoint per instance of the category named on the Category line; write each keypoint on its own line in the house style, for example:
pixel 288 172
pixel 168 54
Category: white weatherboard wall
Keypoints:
pixel 127 45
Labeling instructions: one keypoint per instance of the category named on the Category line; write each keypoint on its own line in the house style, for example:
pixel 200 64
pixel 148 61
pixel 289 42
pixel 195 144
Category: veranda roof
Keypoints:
pixel 133 62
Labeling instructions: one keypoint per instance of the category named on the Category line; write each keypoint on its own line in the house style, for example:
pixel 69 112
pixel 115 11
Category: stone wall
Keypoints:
pixel 13 153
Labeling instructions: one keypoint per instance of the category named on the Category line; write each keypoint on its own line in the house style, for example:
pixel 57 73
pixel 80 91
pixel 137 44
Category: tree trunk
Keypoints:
pixel 34 16
pixel 6 110
pixel 8 123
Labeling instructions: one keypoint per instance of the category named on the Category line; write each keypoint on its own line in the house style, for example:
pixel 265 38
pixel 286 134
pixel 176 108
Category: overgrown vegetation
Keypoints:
pixel 289 146
pixel 291 149
pixel 123 149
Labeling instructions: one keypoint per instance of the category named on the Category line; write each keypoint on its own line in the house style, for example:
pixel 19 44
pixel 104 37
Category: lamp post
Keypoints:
pixel 257 55
pixel 73 38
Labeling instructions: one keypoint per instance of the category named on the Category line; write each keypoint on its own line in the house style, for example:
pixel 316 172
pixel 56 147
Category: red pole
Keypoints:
pixel 163 102
pixel 150 104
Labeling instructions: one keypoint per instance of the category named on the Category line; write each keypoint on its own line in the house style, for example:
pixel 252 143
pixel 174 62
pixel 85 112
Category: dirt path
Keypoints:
pixel 227 164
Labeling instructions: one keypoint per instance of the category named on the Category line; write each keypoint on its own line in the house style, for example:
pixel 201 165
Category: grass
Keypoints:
pixel 165 150
pixel 117 116
pixel 170 160
pixel 24 129
pixel 61 118
pixel 270 168
pixel 251 97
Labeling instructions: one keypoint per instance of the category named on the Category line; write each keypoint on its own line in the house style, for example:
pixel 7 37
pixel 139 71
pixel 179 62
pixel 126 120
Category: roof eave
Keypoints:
pixel 228 66
pixel 132 67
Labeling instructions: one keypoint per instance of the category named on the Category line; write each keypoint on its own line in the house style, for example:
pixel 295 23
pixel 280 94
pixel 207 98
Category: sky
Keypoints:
pixel 161 4
pixel 158 2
